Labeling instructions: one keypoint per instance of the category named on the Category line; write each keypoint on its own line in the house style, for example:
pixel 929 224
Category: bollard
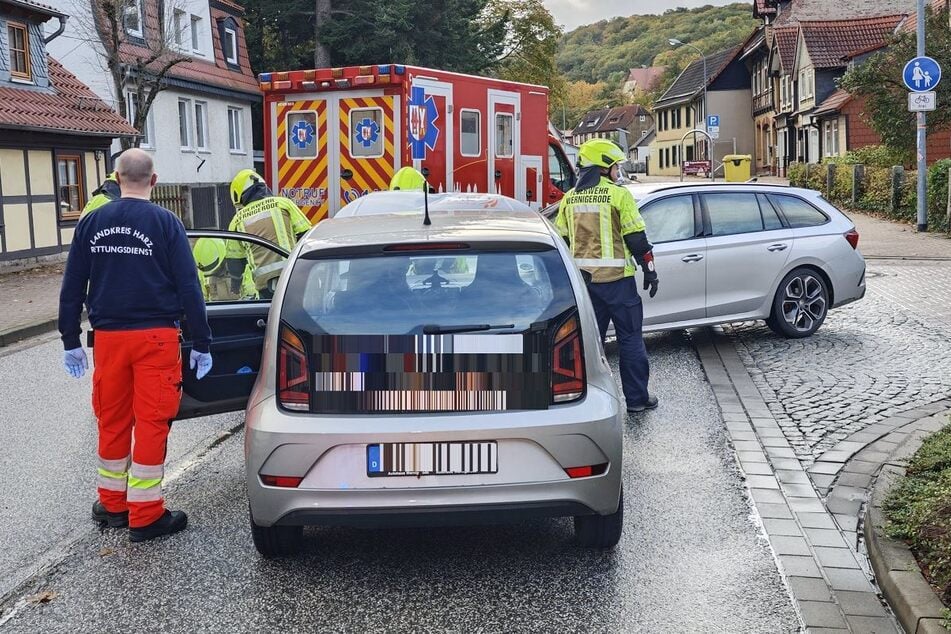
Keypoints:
pixel 947 218
pixel 858 182
pixel 898 177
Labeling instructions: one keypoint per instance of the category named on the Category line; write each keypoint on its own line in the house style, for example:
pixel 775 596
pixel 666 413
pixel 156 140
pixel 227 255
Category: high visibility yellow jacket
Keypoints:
pixel 595 222
pixel 273 218
pixel 106 193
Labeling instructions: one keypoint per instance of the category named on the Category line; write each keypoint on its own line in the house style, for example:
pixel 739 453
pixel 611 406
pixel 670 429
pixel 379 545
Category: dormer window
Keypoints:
pixel 19 37
pixel 229 45
pixel 132 18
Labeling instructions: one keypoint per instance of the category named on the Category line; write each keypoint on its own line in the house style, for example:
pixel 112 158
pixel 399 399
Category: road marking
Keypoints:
pixel 58 552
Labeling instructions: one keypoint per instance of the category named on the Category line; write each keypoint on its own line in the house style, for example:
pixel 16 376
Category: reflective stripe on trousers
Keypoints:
pixel 145 483
pixel 113 474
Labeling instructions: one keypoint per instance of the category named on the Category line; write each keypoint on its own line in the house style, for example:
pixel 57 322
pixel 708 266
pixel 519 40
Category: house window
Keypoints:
pixel 19 50
pixel 145 132
pixel 230 46
pixel 184 121
pixel 132 18
pixel 201 125
pixel 806 84
pixel 470 123
pixel 831 138
pixel 503 135
pixel 178 25
pixel 70 181
pixel 642 118
pixel 235 125
pixel 196 33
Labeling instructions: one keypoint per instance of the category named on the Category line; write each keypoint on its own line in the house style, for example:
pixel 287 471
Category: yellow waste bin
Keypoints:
pixel 736 167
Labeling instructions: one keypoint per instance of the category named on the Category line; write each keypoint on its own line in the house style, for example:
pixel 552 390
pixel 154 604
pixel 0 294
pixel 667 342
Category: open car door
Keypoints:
pixel 237 313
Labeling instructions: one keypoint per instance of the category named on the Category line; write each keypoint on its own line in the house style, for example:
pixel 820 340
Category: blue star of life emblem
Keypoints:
pixel 302 134
pixel 367 132
pixel 422 113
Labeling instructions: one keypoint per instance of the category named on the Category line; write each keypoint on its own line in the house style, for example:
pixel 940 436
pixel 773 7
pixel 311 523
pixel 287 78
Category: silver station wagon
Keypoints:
pixel 730 253
pixel 411 374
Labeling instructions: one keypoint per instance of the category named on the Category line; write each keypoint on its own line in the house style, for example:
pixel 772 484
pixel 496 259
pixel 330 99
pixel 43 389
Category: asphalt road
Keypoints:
pixel 690 558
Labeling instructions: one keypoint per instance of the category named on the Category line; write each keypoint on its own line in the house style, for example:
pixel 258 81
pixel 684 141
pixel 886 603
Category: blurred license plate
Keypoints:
pixel 432 458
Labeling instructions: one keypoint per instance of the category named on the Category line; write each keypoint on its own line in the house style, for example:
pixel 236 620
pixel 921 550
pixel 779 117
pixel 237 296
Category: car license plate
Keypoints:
pixel 432 458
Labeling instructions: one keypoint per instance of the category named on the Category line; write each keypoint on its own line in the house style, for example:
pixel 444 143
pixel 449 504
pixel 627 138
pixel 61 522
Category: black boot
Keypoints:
pixel 170 522
pixel 112 520
pixel 650 403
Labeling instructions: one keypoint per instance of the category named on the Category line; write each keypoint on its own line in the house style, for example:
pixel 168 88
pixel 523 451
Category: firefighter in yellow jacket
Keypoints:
pixel 607 235
pixel 106 193
pixel 274 218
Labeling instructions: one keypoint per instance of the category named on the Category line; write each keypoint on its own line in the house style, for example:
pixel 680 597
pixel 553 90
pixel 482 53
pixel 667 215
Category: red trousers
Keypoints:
pixel 136 392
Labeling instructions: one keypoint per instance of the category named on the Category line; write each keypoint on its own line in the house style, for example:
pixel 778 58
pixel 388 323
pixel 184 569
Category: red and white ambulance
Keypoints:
pixel 334 134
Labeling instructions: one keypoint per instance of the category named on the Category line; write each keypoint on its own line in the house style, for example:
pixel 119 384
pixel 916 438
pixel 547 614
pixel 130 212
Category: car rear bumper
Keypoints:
pixel 848 278
pixel 534 449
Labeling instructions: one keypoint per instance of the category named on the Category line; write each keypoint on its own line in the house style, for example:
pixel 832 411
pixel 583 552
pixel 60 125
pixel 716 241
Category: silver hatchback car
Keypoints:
pixel 730 253
pixel 405 373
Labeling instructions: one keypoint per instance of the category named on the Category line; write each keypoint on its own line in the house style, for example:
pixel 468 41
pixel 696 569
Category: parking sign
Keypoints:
pixel 713 121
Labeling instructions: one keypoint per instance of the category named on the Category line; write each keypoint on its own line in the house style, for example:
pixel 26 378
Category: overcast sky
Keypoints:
pixel 573 13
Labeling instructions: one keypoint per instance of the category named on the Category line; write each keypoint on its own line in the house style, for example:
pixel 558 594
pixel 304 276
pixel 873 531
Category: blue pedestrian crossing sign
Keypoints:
pixel 922 74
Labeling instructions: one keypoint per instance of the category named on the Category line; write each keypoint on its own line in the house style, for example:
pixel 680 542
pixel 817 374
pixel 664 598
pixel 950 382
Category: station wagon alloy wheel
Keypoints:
pixel 805 303
pixel 801 304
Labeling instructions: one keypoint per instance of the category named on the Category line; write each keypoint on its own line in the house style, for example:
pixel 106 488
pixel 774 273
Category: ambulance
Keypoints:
pixel 335 134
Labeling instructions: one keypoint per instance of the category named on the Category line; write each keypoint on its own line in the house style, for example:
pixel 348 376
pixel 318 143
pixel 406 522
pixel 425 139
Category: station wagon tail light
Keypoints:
pixel 567 362
pixel 586 471
pixel 284 482
pixel 293 375
pixel 853 238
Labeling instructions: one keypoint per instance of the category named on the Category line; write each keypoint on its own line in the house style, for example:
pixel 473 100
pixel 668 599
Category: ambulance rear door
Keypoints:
pixel 301 163
pixel 365 134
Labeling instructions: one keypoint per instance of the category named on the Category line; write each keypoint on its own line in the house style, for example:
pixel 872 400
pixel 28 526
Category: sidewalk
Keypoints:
pixel 32 296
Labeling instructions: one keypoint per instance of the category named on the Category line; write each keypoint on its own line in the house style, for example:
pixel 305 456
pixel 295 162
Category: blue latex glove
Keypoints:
pixel 75 362
pixel 201 360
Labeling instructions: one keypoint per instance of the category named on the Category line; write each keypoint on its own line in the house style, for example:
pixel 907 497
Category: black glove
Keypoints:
pixel 650 275
pixel 651 281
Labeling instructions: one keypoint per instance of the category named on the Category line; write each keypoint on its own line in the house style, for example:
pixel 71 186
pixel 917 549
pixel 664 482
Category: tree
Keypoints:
pixel 579 98
pixel 137 45
pixel 530 44
pixel 322 16
pixel 879 81
pixel 445 34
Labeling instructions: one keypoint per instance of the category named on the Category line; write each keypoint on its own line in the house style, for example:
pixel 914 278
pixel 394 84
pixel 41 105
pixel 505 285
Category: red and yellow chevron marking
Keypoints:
pixel 296 176
pixel 369 174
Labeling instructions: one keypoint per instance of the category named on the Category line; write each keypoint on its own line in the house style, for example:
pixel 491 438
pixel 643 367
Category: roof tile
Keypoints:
pixel 70 107
pixel 829 43
pixel 690 81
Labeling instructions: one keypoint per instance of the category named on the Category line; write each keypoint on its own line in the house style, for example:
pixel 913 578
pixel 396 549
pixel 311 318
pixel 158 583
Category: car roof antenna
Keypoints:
pixel 426 220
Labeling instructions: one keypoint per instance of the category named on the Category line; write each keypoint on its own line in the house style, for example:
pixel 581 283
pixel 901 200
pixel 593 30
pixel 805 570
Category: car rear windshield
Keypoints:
pixel 490 290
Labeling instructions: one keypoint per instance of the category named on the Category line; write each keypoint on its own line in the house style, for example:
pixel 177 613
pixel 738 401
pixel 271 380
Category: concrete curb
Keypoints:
pixel 908 593
pixel 19 333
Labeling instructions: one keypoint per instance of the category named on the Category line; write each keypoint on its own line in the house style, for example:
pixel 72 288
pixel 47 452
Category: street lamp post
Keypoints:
pixel 675 42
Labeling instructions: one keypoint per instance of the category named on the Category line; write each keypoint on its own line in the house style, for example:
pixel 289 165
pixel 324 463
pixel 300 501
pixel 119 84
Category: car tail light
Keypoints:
pixel 586 471
pixel 285 482
pixel 293 375
pixel 853 238
pixel 567 363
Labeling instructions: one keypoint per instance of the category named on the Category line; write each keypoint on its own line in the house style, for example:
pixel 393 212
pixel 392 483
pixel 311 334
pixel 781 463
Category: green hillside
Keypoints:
pixel 606 50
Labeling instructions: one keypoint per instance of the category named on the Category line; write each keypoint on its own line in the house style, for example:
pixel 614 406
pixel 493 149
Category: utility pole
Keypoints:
pixel 922 136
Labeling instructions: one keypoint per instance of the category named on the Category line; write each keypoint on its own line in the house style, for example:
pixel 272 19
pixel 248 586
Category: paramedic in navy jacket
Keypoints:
pixel 135 260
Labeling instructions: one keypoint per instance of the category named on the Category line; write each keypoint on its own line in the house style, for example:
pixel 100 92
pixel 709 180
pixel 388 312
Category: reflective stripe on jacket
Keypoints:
pixel 273 218
pixel 595 222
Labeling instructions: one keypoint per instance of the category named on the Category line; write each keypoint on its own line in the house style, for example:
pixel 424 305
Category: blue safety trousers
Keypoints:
pixel 619 302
